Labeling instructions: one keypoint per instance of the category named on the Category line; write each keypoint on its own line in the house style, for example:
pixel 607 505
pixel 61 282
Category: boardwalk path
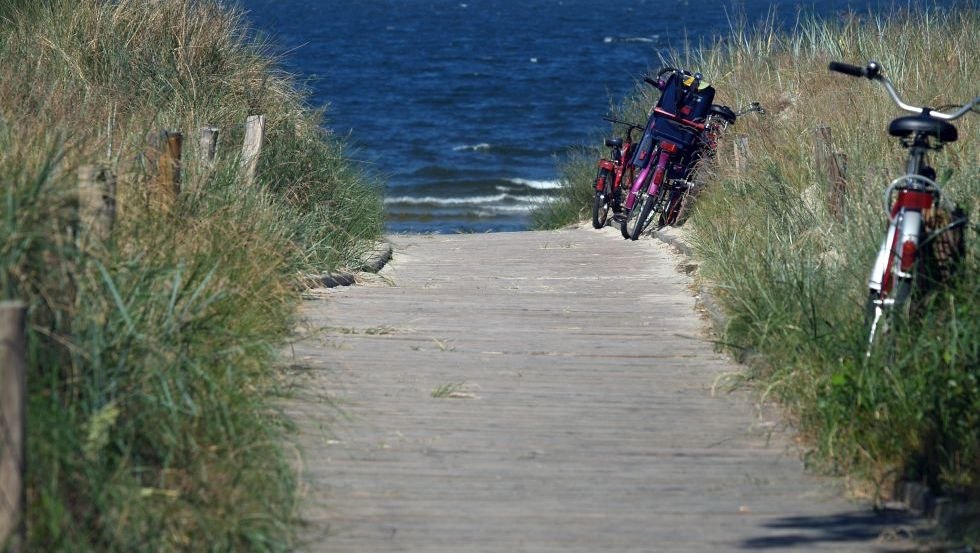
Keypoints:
pixel 576 412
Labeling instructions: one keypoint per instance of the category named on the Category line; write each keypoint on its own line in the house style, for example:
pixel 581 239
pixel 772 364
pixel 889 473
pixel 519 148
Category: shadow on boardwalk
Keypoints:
pixel 885 532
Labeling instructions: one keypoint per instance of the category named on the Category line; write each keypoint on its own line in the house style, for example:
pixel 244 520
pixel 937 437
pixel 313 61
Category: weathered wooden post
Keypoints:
pixel 254 134
pixel 13 396
pixel 164 155
pixel 96 204
pixel 741 152
pixel 830 169
pixel 209 146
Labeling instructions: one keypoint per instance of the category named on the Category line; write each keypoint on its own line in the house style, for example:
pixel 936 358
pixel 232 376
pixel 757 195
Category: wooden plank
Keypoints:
pixel 208 146
pixel 576 411
pixel 13 414
pixel 831 167
pixel 163 158
pixel 96 205
pixel 252 148
pixel 741 147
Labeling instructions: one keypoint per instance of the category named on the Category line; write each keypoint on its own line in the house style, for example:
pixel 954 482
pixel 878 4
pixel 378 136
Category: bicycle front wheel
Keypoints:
pixel 600 202
pixel 639 216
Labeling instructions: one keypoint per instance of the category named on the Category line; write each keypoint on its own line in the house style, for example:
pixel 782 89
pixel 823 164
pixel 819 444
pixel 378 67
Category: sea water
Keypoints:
pixel 465 108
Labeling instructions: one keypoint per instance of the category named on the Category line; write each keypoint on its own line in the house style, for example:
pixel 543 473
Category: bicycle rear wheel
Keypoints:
pixel 600 202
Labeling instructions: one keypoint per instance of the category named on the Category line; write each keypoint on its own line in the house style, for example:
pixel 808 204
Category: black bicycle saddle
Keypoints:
pixel 724 112
pixel 922 124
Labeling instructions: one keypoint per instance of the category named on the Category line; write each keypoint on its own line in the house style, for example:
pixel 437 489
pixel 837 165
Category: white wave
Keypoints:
pixel 537 184
pixel 471 147
pixel 607 39
pixel 639 39
pixel 474 200
pixel 540 200
pixel 495 210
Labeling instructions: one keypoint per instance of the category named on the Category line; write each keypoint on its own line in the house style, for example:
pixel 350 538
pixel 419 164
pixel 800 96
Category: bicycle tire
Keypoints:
pixel 600 201
pixel 624 224
pixel 639 221
pixel 670 212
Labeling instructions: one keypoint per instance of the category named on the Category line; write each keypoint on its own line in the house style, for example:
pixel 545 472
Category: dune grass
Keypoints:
pixel 792 277
pixel 152 423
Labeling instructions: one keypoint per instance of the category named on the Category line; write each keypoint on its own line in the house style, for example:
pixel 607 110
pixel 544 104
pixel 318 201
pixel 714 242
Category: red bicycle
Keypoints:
pixel 906 254
pixel 613 173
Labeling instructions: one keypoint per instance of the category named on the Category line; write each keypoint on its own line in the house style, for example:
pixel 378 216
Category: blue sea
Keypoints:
pixel 465 107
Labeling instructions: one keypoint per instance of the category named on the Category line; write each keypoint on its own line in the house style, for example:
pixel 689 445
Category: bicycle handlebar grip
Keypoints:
pixel 651 81
pixel 847 69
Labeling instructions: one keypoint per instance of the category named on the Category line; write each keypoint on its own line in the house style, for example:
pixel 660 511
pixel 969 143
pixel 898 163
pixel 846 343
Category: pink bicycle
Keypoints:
pixel 669 140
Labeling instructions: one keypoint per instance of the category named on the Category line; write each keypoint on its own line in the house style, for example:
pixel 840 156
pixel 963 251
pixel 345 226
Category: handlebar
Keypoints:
pixel 873 72
pixel 653 83
pixel 754 106
pixel 627 123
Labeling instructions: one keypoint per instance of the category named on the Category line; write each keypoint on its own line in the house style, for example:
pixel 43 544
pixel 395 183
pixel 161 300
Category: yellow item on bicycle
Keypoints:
pixel 701 86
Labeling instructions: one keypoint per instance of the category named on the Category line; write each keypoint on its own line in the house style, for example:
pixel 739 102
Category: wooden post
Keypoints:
pixel 209 146
pixel 96 204
pixel 831 170
pixel 13 395
pixel 164 154
pixel 741 152
pixel 254 134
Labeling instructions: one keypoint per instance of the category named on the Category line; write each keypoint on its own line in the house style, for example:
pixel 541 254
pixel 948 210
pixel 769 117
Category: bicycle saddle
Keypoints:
pixel 724 112
pixel 614 142
pixel 929 126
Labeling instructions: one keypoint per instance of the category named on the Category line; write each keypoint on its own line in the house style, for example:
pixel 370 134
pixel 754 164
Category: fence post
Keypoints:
pixel 254 134
pixel 13 395
pixel 741 152
pixel 209 146
pixel 832 171
pixel 96 204
pixel 164 155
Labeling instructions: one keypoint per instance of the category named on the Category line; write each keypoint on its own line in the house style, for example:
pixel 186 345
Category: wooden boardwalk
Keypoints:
pixel 519 392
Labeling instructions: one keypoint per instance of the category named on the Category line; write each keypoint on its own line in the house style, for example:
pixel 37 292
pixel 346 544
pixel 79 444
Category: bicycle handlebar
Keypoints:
pixel 627 123
pixel 873 72
pixel 847 69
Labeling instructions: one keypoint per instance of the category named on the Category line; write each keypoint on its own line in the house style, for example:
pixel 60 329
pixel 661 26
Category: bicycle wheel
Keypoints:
pixel 600 202
pixel 639 216
pixel 669 214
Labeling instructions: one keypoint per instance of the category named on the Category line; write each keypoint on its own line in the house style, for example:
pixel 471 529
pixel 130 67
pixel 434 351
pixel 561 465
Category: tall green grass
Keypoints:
pixel 793 278
pixel 152 423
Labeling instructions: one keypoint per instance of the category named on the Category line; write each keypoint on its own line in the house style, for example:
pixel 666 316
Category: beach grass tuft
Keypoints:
pixel 152 412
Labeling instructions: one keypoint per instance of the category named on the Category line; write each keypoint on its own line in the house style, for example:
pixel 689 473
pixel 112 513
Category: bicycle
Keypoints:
pixel 612 173
pixel 673 128
pixel 904 255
